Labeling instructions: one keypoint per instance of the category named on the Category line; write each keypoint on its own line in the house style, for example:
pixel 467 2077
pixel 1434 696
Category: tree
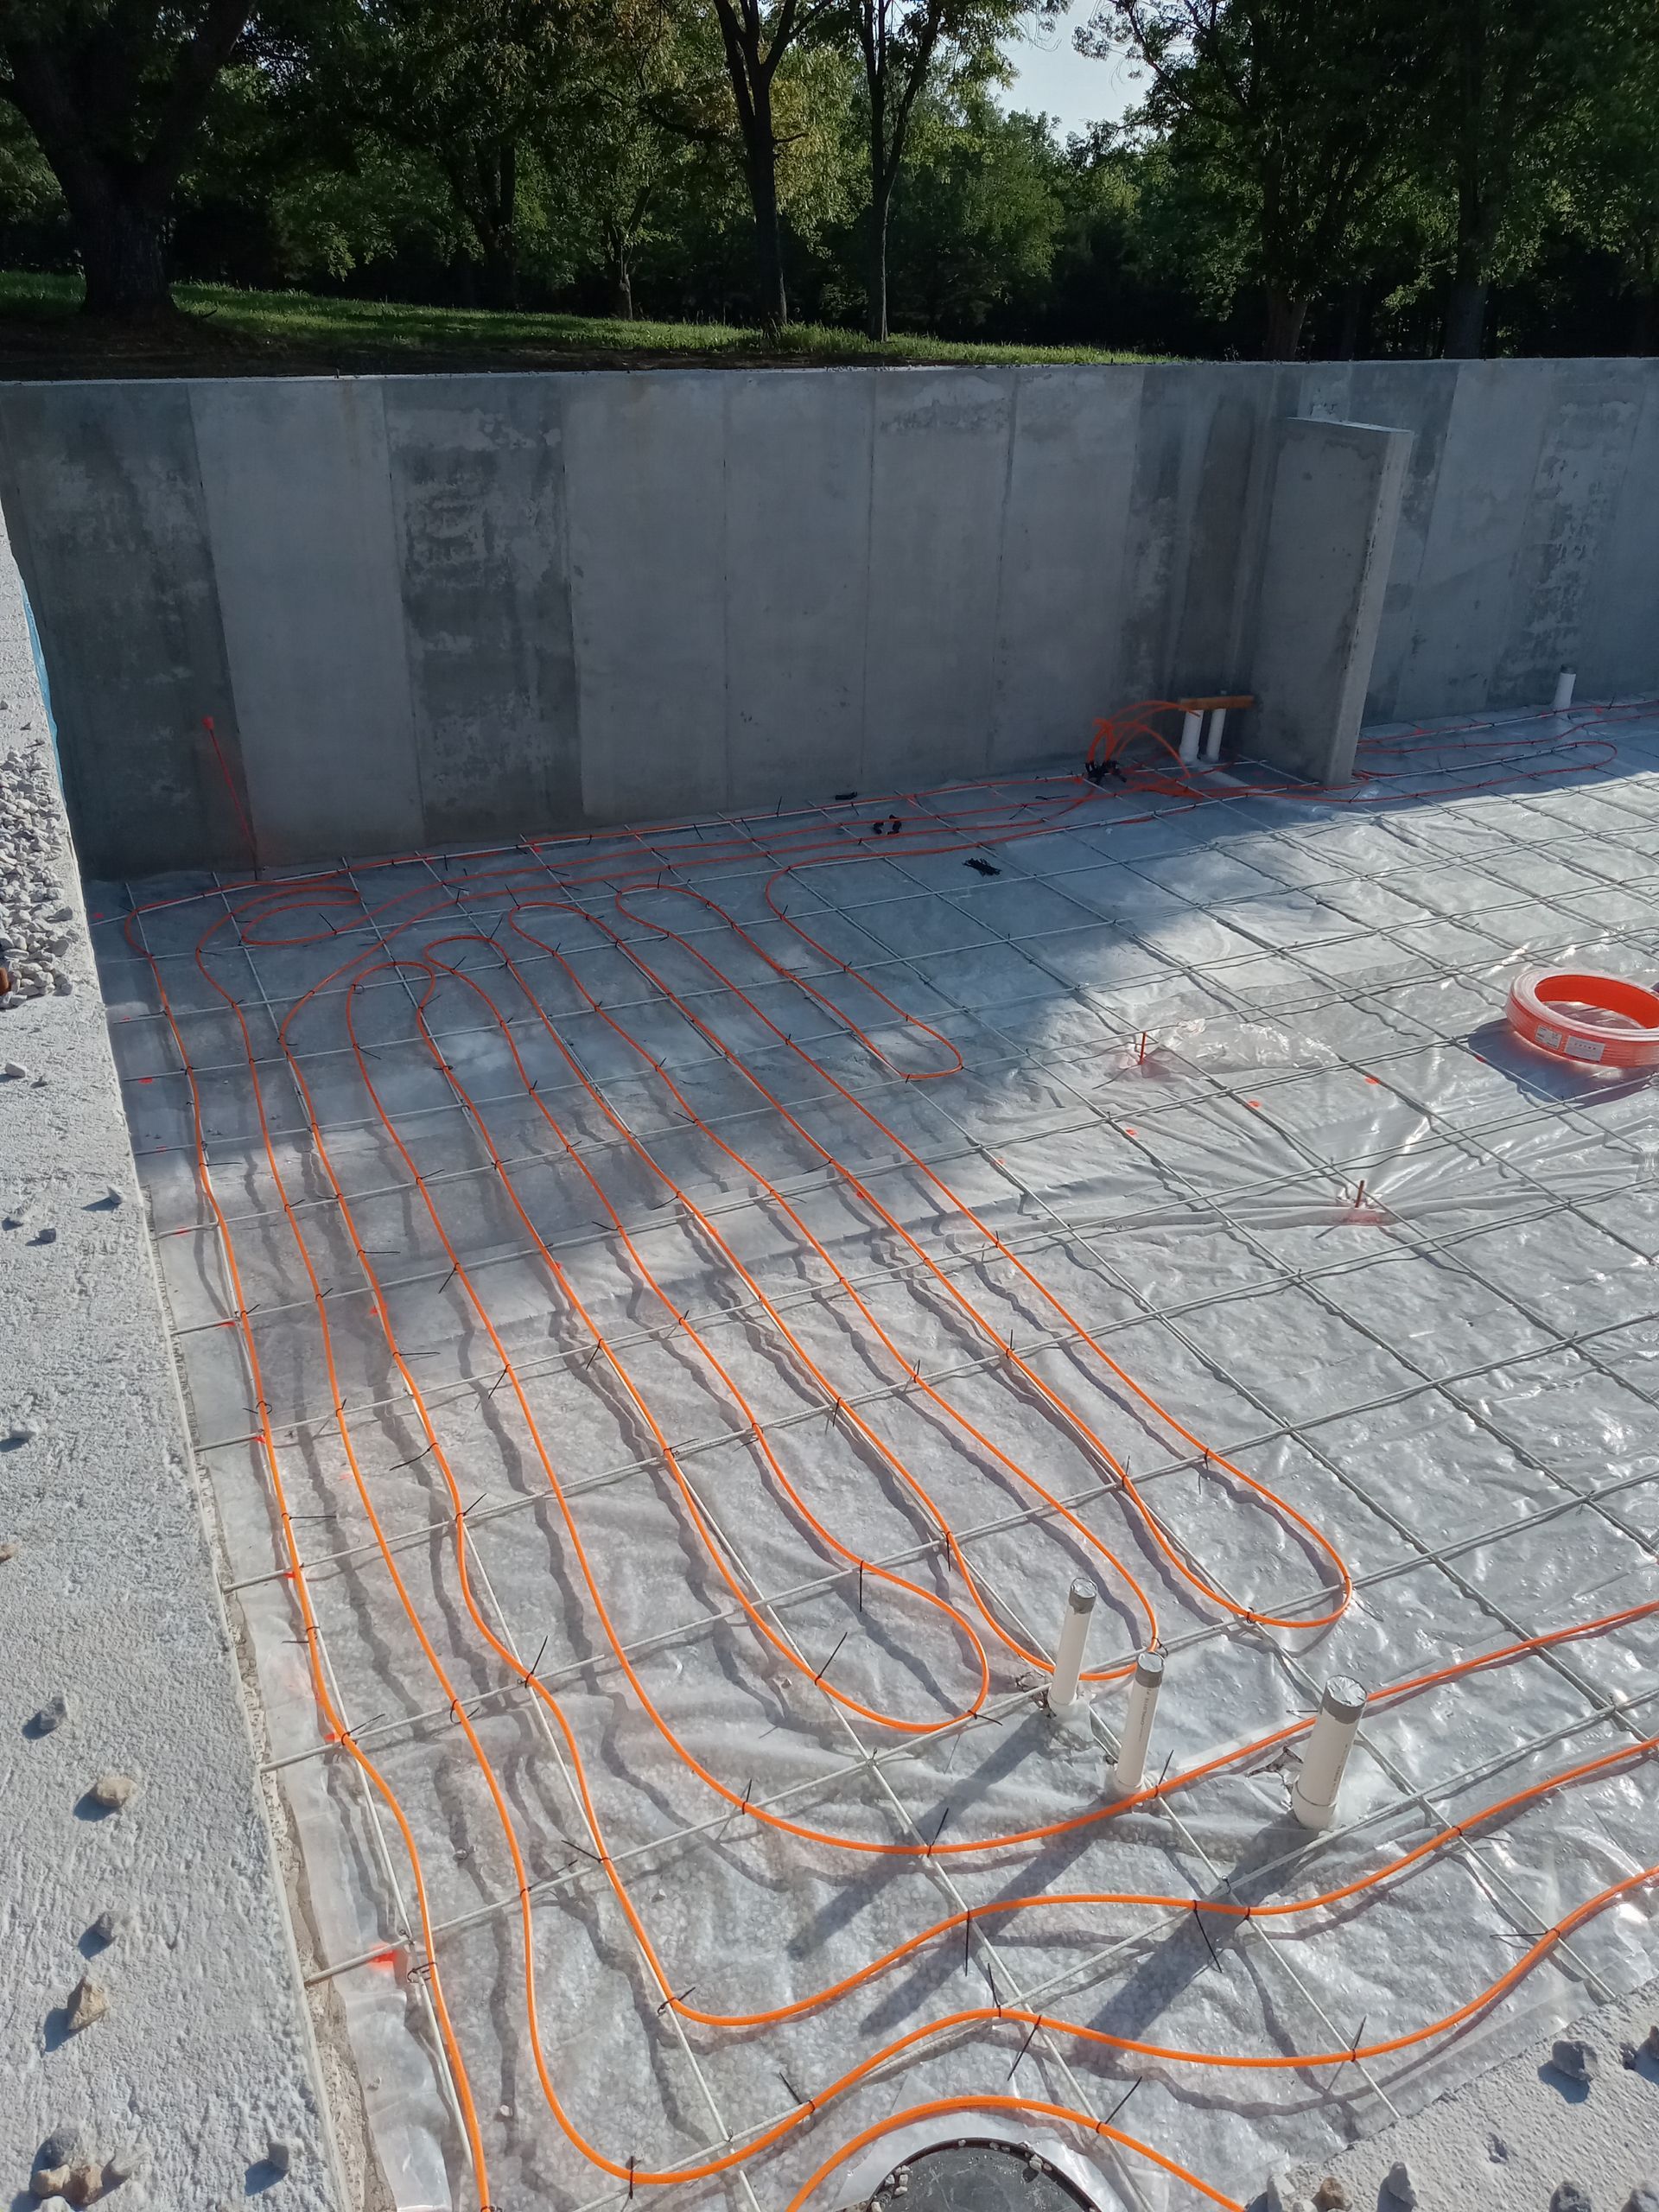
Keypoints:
pixel 467 83
pixel 115 91
pixel 896 41
pixel 755 37
pixel 1122 274
pixel 978 222
pixel 1513 79
pixel 899 42
pixel 1623 195
pixel 1295 110
pixel 622 141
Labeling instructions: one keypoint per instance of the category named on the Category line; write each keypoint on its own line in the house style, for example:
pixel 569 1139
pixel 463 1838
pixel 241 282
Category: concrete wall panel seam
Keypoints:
pixel 985 751
pixel 298 495
pixel 864 775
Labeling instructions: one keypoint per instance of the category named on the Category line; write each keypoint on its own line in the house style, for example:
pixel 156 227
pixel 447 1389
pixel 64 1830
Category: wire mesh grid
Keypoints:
pixel 1235 1086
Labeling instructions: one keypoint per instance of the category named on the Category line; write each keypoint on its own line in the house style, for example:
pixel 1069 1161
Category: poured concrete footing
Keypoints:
pixel 189 2075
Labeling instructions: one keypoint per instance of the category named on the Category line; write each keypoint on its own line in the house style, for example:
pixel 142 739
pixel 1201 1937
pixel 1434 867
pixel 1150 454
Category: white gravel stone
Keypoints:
pixel 33 907
pixel 86 2003
pixel 1573 2057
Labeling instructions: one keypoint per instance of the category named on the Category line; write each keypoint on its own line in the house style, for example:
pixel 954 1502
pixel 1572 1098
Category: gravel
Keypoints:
pixel 36 916
pixel 88 2003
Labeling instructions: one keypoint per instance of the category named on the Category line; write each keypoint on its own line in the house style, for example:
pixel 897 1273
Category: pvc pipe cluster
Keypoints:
pixel 1201 733
pixel 1318 1785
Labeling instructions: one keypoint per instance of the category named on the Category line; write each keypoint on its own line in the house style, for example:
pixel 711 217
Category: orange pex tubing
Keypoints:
pixel 541 877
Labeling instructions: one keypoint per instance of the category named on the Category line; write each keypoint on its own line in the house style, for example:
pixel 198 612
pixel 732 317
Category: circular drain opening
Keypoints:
pixel 978 2174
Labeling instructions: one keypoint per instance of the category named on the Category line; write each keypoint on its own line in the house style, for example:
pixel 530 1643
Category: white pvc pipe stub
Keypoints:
pixel 1129 1770
pixel 1314 1799
pixel 1564 683
pixel 1074 1634
pixel 1191 724
pixel 1212 730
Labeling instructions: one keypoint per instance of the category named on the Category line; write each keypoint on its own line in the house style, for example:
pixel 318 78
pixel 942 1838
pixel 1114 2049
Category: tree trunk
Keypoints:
pixel 1644 322
pixel 772 303
pixel 1353 307
pixel 1465 317
pixel 750 72
pixel 876 323
pixel 122 242
pixel 1284 333
pixel 501 241
pixel 621 286
pixel 484 182
pixel 1465 307
pixel 93 97
pixel 875 313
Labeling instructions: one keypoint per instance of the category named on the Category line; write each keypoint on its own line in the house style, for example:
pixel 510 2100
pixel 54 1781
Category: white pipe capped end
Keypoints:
pixel 1074 1634
pixel 1128 1770
pixel 1192 725
pixel 1564 683
pixel 1313 1798
pixel 1343 1697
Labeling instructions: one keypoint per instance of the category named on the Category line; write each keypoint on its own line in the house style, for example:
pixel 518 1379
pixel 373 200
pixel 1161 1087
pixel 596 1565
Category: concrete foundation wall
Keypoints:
pixel 447 607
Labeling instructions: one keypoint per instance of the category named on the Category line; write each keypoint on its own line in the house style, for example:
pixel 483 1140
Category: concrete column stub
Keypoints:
pixel 1337 490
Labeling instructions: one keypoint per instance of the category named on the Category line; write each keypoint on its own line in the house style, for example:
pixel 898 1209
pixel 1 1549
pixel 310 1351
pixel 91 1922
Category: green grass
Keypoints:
pixel 292 322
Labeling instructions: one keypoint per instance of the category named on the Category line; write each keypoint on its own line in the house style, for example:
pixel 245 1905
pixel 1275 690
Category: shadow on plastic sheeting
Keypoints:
pixel 1564 1082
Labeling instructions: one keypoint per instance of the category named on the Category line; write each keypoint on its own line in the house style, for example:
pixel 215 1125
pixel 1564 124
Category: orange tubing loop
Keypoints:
pixel 261 914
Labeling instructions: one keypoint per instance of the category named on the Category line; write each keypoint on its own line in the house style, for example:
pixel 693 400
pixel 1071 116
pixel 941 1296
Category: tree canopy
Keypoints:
pixel 1325 176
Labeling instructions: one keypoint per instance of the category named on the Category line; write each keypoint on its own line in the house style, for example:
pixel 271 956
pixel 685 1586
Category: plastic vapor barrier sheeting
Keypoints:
pixel 622 1264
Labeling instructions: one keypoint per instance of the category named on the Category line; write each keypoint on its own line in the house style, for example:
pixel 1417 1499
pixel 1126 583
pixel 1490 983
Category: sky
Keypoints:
pixel 1062 83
